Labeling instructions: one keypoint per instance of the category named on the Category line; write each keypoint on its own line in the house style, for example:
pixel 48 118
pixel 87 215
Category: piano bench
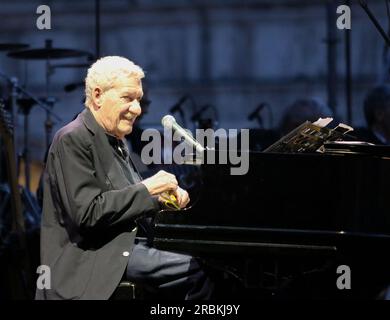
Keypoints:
pixel 126 290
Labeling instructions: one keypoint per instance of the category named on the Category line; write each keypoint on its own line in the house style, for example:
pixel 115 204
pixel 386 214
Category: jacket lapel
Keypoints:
pixel 104 151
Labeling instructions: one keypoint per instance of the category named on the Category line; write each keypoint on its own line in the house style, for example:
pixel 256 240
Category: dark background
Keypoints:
pixel 233 55
pixel 229 54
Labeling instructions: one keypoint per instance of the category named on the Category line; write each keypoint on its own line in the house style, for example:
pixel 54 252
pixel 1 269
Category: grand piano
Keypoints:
pixel 284 228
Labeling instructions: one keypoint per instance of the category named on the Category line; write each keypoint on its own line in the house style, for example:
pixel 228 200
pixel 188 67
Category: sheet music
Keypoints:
pixel 323 122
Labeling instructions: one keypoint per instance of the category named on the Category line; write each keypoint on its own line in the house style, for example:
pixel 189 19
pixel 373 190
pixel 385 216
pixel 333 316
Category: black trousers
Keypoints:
pixel 167 274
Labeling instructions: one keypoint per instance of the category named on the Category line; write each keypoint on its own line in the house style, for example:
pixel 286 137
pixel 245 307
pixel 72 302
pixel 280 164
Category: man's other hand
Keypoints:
pixel 182 197
pixel 161 182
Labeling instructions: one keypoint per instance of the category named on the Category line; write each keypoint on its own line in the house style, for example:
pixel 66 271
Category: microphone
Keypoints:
pixel 196 115
pixel 169 122
pixel 255 113
pixel 177 105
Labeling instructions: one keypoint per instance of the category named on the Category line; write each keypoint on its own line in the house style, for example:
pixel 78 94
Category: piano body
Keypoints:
pixel 290 222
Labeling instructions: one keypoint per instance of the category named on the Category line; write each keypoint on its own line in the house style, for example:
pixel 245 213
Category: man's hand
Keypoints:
pixel 182 197
pixel 161 182
pixel 175 200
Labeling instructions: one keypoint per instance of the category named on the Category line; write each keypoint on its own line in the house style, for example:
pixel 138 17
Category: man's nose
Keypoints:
pixel 135 108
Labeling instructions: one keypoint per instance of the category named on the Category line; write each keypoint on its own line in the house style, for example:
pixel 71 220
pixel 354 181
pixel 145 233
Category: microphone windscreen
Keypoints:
pixel 167 121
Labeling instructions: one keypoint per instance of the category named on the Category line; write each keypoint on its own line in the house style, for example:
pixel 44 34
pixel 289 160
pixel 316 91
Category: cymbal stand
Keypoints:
pixel 47 105
pixel 49 100
pixel 49 122
pixel 26 105
pixel 13 81
pixel 24 92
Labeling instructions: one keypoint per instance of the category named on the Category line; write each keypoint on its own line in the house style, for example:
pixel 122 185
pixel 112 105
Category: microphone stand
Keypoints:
pixel 364 5
pixel 26 106
pixel 15 90
pixel 29 95
pixel 196 116
pixel 177 108
pixel 181 112
pixel 14 95
pixel 255 115
pixel 193 107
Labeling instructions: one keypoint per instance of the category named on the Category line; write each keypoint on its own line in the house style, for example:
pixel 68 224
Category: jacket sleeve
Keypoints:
pixel 81 194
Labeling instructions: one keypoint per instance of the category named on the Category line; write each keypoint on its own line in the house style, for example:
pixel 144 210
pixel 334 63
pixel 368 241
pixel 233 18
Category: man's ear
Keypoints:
pixel 97 97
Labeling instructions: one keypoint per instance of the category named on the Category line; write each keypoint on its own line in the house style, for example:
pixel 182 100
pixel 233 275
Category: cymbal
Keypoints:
pixel 47 53
pixel 12 46
pixel 71 65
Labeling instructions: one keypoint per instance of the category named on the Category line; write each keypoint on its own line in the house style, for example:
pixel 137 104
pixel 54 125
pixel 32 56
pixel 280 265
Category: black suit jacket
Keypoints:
pixel 89 213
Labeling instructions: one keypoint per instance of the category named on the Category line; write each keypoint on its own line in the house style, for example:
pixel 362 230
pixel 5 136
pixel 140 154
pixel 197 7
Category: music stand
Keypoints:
pixel 308 138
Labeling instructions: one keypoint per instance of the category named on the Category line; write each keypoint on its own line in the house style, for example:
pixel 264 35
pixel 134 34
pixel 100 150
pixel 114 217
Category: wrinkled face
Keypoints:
pixel 119 106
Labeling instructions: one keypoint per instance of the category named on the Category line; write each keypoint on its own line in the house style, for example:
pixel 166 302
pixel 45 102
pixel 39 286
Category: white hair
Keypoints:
pixel 105 71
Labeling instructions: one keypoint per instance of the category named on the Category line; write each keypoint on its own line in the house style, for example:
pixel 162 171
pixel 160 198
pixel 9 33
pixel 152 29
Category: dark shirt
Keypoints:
pixel 122 157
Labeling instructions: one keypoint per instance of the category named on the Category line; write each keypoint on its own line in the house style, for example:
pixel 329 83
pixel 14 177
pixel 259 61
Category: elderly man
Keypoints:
pixel 94 199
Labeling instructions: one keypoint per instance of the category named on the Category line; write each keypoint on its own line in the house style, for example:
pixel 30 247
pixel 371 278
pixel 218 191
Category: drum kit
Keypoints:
pixel 20 100
pixel 20 210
